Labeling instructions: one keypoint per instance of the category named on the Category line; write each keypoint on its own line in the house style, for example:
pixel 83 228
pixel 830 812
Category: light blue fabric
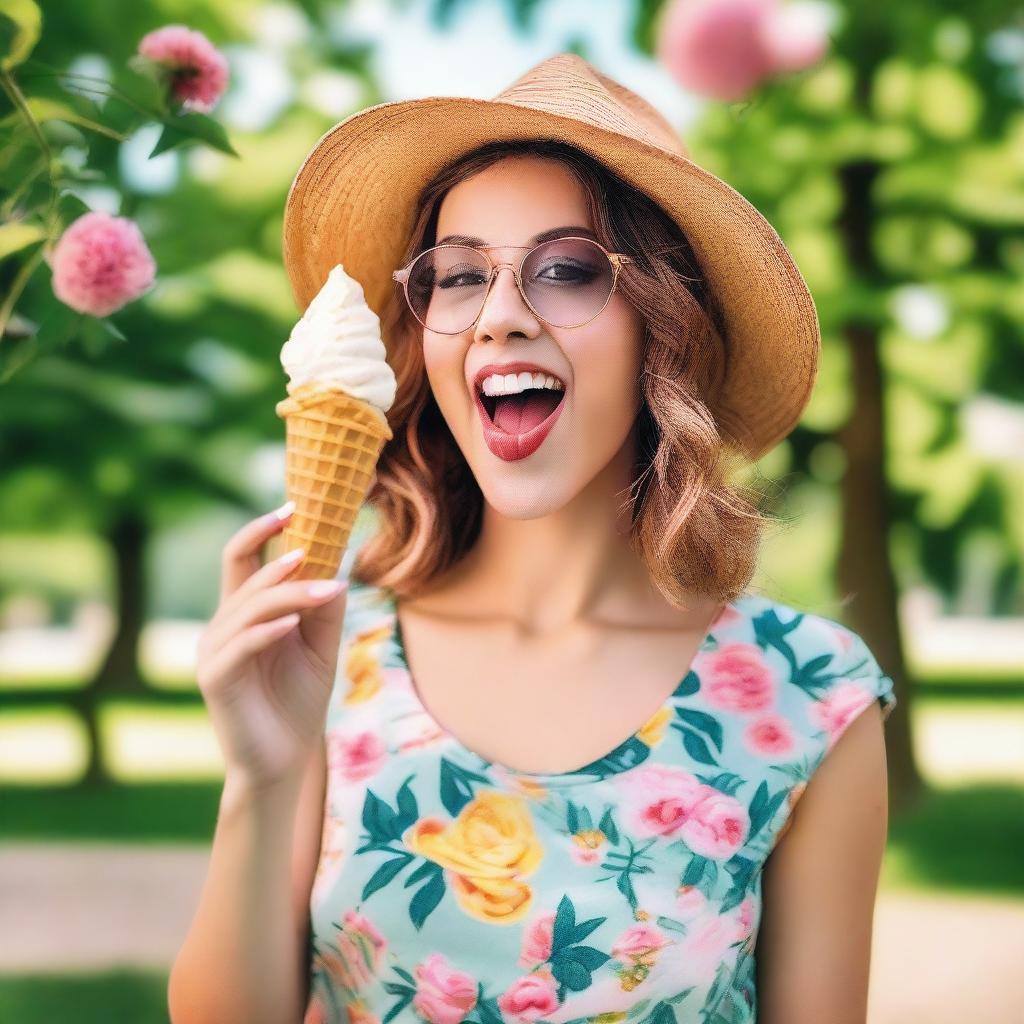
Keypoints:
pixel 453 889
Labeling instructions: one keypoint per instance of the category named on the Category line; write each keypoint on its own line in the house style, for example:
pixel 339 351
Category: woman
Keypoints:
pixel 564 742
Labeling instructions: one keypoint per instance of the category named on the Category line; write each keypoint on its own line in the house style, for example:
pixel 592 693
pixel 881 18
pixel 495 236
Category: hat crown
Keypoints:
pixel 568 86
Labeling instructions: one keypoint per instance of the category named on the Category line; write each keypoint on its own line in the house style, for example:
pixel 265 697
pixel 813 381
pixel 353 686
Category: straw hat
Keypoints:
pixel 353 198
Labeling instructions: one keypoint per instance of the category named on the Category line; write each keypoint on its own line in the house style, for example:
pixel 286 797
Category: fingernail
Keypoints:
pixel 292 556
pixel 285 510
pixel 321 588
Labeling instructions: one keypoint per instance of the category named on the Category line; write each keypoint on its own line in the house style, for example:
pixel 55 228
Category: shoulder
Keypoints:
pixel 821 682
pixel 826 673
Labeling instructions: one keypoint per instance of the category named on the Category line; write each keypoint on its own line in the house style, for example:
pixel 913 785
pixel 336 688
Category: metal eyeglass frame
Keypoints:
pixel 615 258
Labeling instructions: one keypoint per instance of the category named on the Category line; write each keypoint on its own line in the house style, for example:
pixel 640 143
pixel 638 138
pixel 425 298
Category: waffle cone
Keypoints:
pixel 332 445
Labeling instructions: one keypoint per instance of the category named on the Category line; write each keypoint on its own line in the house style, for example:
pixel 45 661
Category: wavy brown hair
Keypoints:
pixel 693 528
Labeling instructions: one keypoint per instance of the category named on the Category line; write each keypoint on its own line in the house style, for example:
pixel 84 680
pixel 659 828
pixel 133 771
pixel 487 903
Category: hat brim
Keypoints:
pixel 352 202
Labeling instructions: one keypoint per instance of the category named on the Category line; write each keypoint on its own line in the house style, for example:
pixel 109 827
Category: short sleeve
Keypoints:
pixel 861 668
pixel 856 681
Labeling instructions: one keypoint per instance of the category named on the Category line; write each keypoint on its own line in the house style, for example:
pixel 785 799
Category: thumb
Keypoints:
pixel 321 627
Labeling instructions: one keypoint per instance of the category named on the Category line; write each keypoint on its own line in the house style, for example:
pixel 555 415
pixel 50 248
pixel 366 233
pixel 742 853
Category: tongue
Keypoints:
pixel 516 414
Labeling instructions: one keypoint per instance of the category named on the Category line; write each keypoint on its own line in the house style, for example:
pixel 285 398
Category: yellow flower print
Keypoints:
pixel 589 838
pixel 488 850
pixel 653 730
pixel 362 666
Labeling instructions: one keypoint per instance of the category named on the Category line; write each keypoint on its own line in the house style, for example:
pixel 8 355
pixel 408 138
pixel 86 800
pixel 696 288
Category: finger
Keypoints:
pixel 274 571
pixel 230 659
pixel 241 556
pixel 269 603
pixel 320 627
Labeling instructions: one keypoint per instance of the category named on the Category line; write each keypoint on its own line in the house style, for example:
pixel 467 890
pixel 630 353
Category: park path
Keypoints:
pixel 95 906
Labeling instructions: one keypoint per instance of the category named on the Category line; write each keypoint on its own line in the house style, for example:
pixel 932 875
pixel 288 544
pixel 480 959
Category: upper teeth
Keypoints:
pixel 513 383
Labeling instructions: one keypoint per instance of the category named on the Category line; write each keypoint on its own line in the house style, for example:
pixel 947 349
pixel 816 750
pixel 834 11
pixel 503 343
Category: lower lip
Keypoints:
pixel 512 447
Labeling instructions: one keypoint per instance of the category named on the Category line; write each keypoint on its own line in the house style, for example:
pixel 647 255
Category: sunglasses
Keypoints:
pixel 565 281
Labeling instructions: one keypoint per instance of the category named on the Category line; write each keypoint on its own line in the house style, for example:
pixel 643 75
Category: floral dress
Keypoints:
pixel 450 888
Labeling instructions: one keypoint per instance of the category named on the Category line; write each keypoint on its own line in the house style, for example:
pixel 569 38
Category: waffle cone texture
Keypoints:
pixel 333 442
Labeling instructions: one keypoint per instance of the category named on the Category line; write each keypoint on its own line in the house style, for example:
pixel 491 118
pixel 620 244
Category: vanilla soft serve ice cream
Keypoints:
pixel 337 345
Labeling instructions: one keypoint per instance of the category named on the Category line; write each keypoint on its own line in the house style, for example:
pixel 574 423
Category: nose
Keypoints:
pixel 505 310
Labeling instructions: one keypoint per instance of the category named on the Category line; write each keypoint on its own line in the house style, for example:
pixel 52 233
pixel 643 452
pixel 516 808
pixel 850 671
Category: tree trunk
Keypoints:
pixel 865 571
pixel 118 675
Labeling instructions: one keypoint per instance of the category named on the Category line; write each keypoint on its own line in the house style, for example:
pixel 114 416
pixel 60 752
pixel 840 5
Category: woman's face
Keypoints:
pixel 508 204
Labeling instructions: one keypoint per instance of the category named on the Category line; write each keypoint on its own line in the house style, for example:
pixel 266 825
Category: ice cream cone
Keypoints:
pixel 332 445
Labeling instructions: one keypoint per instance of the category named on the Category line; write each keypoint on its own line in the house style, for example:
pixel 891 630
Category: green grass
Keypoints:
pixel 109 997
pixel 964 839
pixel 143 812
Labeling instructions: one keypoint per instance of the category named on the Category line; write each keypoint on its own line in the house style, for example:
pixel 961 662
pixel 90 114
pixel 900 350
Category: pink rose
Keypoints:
pixel 100 263
pixel 660 799
pixel 443 994
pixel 355 757
pixel 717 826
pixel 198 70
pixel 360 926
pixel 770 736
pixel 530 997
pixel 724 49
pixel 637 940
pixel 536 945
pixel 690 901
pixel 736 678
pixel 838 707
pixel 745 918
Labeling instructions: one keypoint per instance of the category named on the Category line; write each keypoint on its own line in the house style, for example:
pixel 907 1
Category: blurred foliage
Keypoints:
pixel 166 422
pixel 915 100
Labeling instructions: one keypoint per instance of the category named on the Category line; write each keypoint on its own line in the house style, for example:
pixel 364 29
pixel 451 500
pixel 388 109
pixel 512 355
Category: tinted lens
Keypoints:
pixel 567 281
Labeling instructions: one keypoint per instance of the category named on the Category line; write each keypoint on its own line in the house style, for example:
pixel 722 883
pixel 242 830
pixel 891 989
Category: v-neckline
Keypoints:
pixel 627 754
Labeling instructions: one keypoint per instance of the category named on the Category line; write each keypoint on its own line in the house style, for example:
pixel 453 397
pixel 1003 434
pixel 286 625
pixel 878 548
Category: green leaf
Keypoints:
pixel 18 234
pixel 97 335
pixel 22 23
pixel 192 126
pixel 44 109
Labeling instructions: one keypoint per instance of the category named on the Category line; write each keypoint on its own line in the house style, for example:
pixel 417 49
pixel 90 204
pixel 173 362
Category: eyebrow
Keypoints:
pixel 544 236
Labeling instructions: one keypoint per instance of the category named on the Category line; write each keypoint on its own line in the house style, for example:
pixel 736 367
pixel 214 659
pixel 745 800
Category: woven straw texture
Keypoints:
pixel 333 442
pixel 353 198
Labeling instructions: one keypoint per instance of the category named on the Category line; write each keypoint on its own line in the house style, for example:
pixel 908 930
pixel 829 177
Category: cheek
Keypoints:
pixel 607 364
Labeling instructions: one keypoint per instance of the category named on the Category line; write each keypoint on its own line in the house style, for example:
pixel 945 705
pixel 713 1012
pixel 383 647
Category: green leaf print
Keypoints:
pixel 384 874
pixel 699 729
pixel 689 686
pixel 456 788
pixel 423 904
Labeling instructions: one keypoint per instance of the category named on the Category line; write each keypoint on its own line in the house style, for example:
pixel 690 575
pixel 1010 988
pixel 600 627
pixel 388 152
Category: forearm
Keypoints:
pixel 242 960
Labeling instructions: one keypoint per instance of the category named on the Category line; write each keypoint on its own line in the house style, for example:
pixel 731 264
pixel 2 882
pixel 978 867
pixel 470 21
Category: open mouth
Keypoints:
pixel 516 414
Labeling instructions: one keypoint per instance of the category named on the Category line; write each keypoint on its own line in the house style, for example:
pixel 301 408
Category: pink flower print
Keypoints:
pixel 530 997
pixel 690 902
pixel 838 708
pixel 355 757
pixel 637 941
pixel 443 994
pixel 585 848
pixel 101 263
pixel 745 918
pixel 363 929
pixel 659 799
pixel 769 736
pixel 736 678
pixel 198 71
pixel 704 948
pixel 536 945
pixel 717 826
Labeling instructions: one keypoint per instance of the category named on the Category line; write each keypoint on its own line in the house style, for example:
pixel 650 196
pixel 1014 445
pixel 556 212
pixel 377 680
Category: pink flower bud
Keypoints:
pixel 100 263
pixel 199 71
pixel 724 49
